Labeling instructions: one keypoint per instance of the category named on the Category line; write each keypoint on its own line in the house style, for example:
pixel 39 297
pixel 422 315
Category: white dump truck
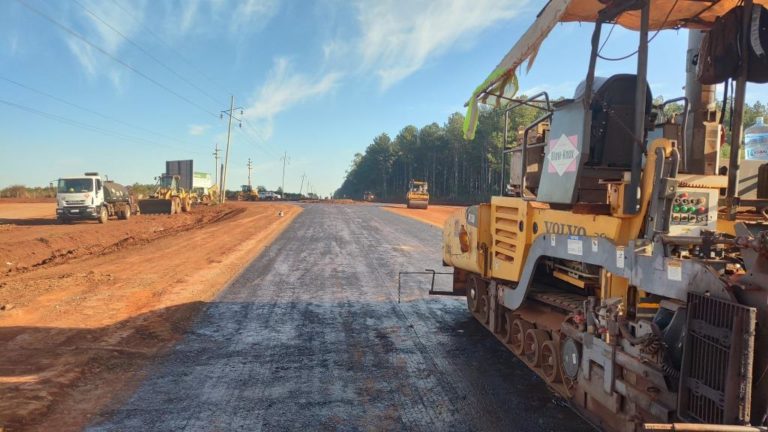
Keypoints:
pixel 90 197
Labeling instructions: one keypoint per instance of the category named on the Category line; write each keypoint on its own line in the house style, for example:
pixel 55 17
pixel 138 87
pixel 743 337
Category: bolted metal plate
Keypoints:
pixel 571 358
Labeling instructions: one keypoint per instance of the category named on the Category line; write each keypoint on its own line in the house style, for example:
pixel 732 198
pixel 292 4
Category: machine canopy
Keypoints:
pixel 501 85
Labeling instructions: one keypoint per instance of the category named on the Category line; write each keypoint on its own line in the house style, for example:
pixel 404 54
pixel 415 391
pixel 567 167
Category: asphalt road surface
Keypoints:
pixel 311 337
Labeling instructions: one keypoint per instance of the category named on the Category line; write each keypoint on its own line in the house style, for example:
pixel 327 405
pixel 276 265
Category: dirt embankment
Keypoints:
pixel 84 307
pixel 31 237
pixel 433 215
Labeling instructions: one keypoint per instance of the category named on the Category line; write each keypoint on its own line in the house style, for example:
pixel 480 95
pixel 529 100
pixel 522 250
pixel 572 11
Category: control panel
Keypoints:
pixel 693 209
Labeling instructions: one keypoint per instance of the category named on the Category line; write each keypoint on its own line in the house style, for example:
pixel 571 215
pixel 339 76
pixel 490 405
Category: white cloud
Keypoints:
pixel 93 61
pixel 13 44
pixel 556 90
pixel 197 16
pixel 253 13
pixel 188 14
pixel 198 129
pixel 398 37
pixel 174 19
pixel 284 89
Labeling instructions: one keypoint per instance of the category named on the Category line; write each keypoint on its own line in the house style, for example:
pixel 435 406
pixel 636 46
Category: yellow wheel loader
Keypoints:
pixel 616 264
pixel 168 197
pixel 247 193
pixel 205 196
pixel 418 195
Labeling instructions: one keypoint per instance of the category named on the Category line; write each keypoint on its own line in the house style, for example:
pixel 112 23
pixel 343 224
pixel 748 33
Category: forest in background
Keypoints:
pixel 457 170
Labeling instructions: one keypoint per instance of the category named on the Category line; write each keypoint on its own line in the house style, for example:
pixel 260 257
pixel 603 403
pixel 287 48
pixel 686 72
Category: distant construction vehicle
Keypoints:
pixel 205 196
pixel 368 196
pixel 418 195
pixel 168 197
pixel 90 197
pixel 247 193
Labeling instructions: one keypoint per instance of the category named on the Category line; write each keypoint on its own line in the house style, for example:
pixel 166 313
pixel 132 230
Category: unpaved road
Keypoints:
pixel 84 307
pixel 311 337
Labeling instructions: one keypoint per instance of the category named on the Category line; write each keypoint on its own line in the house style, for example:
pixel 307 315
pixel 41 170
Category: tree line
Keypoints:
pixel 457 170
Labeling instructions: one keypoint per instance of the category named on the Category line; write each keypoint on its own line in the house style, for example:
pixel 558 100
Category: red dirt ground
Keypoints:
pixel 84 307
pixel 433 215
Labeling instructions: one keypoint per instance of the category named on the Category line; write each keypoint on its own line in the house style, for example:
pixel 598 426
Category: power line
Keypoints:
pixel 251 141
pixel 147 53
pixel 171 48
pixel 88 110
pixel 86 126
pixel 114 58
pixel 259 135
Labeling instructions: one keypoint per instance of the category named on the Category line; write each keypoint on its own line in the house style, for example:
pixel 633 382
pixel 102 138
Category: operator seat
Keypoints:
pixel 613 121
pixel 607 152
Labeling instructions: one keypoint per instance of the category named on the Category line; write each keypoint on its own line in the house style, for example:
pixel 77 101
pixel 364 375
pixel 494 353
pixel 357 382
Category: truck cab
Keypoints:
pixel 80 197
pixel 88 197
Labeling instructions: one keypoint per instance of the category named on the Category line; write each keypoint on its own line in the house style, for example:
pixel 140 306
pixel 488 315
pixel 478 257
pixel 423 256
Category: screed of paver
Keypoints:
pixel 76 334
pixel 311 337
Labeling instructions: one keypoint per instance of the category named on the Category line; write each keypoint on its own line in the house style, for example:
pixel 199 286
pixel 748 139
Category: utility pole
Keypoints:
pixel 250 167
pixel 216 164
pixel 285 159
pixel 302 183
pixel 229 113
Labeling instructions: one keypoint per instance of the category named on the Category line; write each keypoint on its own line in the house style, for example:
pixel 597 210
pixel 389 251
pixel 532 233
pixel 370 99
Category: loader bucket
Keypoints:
pixel 156 206
pixel 418 204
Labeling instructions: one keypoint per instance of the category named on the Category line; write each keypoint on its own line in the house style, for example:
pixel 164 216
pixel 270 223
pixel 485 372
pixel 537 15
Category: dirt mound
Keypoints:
pixel 31 237
pixel 26 200
pixel 85 306
pixel 433 215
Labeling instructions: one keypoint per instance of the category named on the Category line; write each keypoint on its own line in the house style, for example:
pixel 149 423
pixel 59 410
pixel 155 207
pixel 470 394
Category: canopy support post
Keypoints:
pixel 630 196
pixel 732 193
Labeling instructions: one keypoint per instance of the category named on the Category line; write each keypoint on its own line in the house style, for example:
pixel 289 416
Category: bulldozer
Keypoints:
pixel 247 193
pixel 618 263
pixel 418 195
pixel 205 196
pixel 168 197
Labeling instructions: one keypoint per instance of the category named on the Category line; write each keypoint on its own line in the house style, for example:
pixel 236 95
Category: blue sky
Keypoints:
pixel 317 80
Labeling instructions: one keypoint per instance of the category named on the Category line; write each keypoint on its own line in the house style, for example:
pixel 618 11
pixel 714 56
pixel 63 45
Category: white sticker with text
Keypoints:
pixel 674 270
pixel 575 245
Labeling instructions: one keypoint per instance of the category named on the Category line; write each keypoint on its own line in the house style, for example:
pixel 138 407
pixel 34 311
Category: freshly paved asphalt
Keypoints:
pixel 311 337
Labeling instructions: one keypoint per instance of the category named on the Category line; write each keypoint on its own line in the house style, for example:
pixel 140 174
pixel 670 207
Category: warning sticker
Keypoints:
pixel 620 257
pixel 563 154
pixel 552 240
pixel 594 245
pixel 674 270
pixel 574 245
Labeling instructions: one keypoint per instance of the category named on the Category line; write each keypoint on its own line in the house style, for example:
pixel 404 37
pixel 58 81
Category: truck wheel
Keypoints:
pixel 103 215
pixel 127 213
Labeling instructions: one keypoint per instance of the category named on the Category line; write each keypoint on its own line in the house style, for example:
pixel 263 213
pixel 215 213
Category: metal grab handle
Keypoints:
pixel 425 272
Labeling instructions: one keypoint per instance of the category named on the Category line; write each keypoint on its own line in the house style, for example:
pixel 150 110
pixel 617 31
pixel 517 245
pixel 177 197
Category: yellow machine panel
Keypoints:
pixel 515 223
pixel 510 228
pixel 466 239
